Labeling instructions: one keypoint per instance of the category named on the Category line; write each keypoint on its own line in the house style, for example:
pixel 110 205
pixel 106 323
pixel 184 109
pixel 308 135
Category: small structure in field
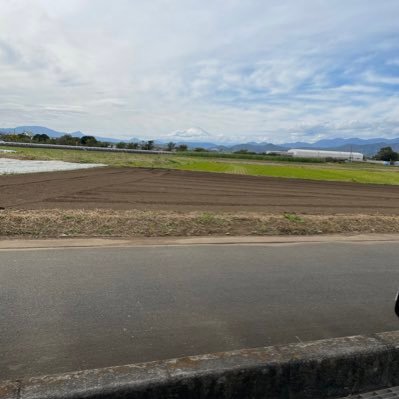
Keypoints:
pixel 323 154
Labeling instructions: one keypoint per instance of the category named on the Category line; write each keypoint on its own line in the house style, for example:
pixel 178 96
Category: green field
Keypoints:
pixel 256 157
pixel 354 172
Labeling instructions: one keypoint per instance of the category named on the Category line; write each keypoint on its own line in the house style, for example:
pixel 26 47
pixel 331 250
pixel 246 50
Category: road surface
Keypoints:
pixel 79 308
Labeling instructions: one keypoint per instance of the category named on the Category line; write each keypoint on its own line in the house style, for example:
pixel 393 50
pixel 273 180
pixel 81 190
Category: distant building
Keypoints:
pixel 339 155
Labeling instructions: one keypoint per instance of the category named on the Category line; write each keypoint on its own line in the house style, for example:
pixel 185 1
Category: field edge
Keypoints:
pixel 54 223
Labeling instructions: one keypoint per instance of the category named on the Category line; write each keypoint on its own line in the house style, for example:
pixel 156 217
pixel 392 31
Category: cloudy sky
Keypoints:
pixel 215 70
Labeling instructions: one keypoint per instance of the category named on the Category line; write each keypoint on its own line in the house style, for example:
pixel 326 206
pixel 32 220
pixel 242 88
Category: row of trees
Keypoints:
pixel 150 145
pixel 387 154
pixel 66 139
pixel 88 141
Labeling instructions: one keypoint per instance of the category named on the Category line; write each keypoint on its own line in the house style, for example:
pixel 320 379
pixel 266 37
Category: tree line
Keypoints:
pixel 88 141
pixel 386 154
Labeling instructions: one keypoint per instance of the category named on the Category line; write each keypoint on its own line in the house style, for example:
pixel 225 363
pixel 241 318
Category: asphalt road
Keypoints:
pixel 69 309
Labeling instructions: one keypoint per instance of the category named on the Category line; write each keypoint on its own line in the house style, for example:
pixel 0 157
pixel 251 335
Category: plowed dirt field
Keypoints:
pixel 135 188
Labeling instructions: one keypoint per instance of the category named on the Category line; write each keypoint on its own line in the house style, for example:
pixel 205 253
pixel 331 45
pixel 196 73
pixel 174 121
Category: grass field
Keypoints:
pixel 258 157
pixel 355 172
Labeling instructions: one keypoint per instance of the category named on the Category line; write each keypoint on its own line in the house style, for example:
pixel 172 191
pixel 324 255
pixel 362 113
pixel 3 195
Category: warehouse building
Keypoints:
pixel 338 155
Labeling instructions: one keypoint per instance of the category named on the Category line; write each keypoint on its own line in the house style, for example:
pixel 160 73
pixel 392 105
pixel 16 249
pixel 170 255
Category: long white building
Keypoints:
pixel 340 155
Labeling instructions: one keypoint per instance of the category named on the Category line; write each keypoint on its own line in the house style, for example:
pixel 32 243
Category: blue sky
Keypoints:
pixel 214 70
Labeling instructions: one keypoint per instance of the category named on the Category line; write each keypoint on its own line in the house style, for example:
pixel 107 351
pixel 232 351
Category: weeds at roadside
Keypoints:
pixel 51 223
pixel 207 218
pixel 292 217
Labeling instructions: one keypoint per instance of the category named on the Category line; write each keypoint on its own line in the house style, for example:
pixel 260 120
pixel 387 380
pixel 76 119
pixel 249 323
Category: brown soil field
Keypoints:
pixel 182 191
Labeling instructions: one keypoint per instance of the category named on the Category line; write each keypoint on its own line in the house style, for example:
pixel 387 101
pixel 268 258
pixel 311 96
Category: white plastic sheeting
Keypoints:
pixel 354 156
pixel 14 166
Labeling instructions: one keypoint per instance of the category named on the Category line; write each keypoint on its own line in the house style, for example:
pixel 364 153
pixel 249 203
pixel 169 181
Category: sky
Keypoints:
pixel 209 70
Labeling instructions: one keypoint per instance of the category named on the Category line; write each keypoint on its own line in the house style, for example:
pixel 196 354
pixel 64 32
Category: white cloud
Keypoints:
pixel 259 69
pixel 191 133
pixel 372 77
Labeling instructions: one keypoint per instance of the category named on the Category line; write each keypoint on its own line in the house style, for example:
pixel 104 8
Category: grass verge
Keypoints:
pixel 97 223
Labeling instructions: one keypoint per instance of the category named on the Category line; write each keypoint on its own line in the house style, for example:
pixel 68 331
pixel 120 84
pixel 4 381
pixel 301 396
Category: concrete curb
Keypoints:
pixel 49 243
pixel 322 369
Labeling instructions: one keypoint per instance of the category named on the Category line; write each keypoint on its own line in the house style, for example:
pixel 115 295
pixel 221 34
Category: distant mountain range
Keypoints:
pixel 368 147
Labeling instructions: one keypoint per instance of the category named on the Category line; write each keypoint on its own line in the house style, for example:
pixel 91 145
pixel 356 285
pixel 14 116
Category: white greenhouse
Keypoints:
pixel 340 155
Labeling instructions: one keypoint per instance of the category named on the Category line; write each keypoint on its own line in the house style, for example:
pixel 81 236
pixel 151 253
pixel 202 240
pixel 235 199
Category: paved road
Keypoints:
pixel 68 309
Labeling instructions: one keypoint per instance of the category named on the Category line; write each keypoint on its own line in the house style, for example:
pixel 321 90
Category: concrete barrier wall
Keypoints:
pixel 313 370
pixel 81 148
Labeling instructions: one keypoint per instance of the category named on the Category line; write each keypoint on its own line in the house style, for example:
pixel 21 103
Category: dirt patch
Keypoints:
pixel 18 166
pixel 183 191
pixel 97 223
